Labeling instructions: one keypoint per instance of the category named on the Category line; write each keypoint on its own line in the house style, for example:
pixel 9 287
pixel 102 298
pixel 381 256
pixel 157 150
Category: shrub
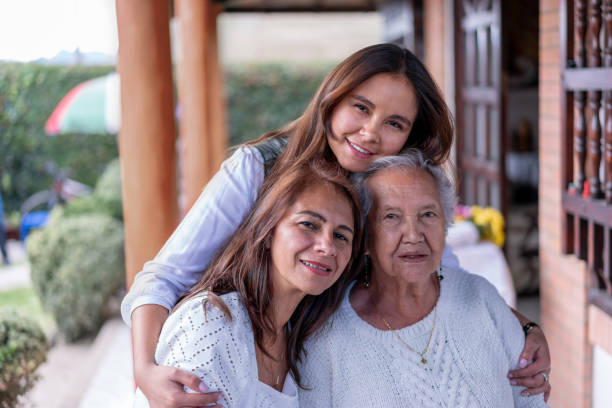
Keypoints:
pixel 77 265
pixel 264 97
pixel 23 347
pixel 106 198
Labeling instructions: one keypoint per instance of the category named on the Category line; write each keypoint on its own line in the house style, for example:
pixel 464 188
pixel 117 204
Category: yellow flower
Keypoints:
pixel 490 223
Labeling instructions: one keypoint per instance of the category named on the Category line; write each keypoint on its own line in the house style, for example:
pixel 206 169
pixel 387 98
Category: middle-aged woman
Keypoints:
pixel 377 102
pixel 421 335
pixel 242 327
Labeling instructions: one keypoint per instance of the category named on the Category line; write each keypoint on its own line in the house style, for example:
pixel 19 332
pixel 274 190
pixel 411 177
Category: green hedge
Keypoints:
pixel 23 347
pixel 77 261
pixel 77 265
pixel 28 95
pixel 264 97
pixel 106 197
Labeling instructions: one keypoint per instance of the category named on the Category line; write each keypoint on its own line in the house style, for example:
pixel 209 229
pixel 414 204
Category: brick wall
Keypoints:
pixel 564 279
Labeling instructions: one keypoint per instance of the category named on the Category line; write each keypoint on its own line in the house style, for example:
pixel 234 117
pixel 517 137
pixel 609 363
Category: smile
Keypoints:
pixel 359 149
pixel 316 267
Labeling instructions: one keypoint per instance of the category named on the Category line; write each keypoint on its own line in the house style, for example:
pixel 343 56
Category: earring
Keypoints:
pixel 367 267
pixel 439 273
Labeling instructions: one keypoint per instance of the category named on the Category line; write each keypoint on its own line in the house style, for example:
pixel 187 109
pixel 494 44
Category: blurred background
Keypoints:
pixel 82 81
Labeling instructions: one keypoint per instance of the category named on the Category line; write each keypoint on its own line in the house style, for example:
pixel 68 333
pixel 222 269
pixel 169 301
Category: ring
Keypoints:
pixel 545 376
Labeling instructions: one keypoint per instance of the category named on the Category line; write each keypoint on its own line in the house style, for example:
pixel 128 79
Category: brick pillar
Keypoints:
pixel 563 279
pixel 147 135
pixel 202 124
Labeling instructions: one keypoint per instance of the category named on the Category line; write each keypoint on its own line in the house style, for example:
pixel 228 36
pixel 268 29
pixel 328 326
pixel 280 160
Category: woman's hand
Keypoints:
pixel 163 387
pixel 534 360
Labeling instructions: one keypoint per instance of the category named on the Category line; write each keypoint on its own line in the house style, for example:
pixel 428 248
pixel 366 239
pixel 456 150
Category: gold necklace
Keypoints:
pixel 422 353
pixel 269 370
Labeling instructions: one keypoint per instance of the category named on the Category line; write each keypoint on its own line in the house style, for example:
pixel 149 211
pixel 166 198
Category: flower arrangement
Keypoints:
pixel 489 221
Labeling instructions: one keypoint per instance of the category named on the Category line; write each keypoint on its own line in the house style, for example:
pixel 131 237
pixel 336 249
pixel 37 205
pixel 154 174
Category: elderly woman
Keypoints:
pixel 421 335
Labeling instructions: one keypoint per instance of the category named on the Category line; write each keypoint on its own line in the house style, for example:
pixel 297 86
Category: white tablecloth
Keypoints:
pixel 482 258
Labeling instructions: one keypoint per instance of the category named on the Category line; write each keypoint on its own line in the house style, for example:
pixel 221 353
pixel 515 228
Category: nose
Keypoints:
pixel 324 244
pixel 369 131
pixel 412 232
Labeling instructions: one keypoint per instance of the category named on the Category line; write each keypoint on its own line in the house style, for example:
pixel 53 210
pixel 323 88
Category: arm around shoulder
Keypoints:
pixel 208 225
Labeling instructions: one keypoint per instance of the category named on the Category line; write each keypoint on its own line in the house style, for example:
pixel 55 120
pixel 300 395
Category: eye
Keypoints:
pixel 396 125
pixel 307 224
pixel 361 107
pixel 390 216
pixel 341 237
pixel 429 214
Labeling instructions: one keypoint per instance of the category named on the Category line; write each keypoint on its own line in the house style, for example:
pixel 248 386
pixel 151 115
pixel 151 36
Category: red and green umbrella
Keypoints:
pixel 90 107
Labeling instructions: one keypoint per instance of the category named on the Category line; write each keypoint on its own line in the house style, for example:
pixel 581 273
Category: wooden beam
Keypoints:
pixel 147 134
pixel 202 123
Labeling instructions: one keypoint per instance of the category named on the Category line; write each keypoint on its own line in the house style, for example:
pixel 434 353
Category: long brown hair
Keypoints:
pixel 243 265
pixel 432 132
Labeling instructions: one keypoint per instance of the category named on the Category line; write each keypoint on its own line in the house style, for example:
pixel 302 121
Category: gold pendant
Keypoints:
pixel 423 360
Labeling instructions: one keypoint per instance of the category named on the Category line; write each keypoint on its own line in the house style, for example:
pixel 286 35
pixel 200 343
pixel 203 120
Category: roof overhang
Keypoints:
pixel 299 5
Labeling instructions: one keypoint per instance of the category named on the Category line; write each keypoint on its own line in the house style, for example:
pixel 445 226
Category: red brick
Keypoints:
pixel 550 56
pixel 549 39
pixel 549 108
pixel 550 72
pixel 550 89
pixel 549 5
pixel 549 20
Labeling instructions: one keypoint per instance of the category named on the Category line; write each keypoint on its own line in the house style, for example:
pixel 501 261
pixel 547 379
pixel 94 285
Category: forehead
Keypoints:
pixel 327 199
pixel 389 89
pixel 403 188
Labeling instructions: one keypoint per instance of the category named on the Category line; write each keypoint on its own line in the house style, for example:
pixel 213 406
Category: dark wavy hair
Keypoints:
pixel 243 265
pixel 433 129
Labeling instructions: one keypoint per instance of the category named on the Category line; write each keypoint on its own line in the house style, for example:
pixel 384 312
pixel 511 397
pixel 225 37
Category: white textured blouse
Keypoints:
pixel 221 353
pixel 207 227
pixel 476 340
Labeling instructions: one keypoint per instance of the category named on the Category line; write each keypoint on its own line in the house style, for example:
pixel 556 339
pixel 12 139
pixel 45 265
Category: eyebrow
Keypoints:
pixel 428 206
pixel 368 102
pixel 322 218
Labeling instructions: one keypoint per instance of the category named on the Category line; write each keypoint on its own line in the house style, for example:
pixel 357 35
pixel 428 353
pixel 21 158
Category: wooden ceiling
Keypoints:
pixel 299 5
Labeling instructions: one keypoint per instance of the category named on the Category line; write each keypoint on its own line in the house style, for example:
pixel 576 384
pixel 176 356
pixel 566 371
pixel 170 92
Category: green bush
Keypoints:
pixel 23 347
pixel 106 197
pixel 28 95
pixel 77 265
pixel 264 97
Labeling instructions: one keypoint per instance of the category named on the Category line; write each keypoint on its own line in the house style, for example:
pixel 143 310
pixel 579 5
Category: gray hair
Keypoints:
pixel 411 159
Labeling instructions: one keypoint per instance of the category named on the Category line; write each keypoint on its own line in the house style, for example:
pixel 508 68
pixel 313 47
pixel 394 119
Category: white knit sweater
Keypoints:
pixel 476 341
pixel 220 352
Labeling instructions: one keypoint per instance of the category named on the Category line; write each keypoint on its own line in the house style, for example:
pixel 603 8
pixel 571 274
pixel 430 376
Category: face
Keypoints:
pixel 312 244
pixel 406 225
pixel 372 121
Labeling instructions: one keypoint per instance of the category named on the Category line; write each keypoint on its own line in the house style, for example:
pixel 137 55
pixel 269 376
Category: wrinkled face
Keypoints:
pixel 372 121
pixel 406 225
pixel 312 244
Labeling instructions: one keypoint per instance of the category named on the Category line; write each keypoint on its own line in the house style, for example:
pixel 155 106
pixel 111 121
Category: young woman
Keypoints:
pixel 242 327
pixel 378 102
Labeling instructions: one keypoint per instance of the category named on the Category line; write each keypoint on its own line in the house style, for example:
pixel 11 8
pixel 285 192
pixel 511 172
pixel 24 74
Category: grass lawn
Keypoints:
pixel 27 303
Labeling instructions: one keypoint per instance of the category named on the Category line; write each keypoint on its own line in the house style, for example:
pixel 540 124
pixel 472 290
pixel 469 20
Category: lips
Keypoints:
pixel 414 258
pixel 358 150
pixel 317 268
